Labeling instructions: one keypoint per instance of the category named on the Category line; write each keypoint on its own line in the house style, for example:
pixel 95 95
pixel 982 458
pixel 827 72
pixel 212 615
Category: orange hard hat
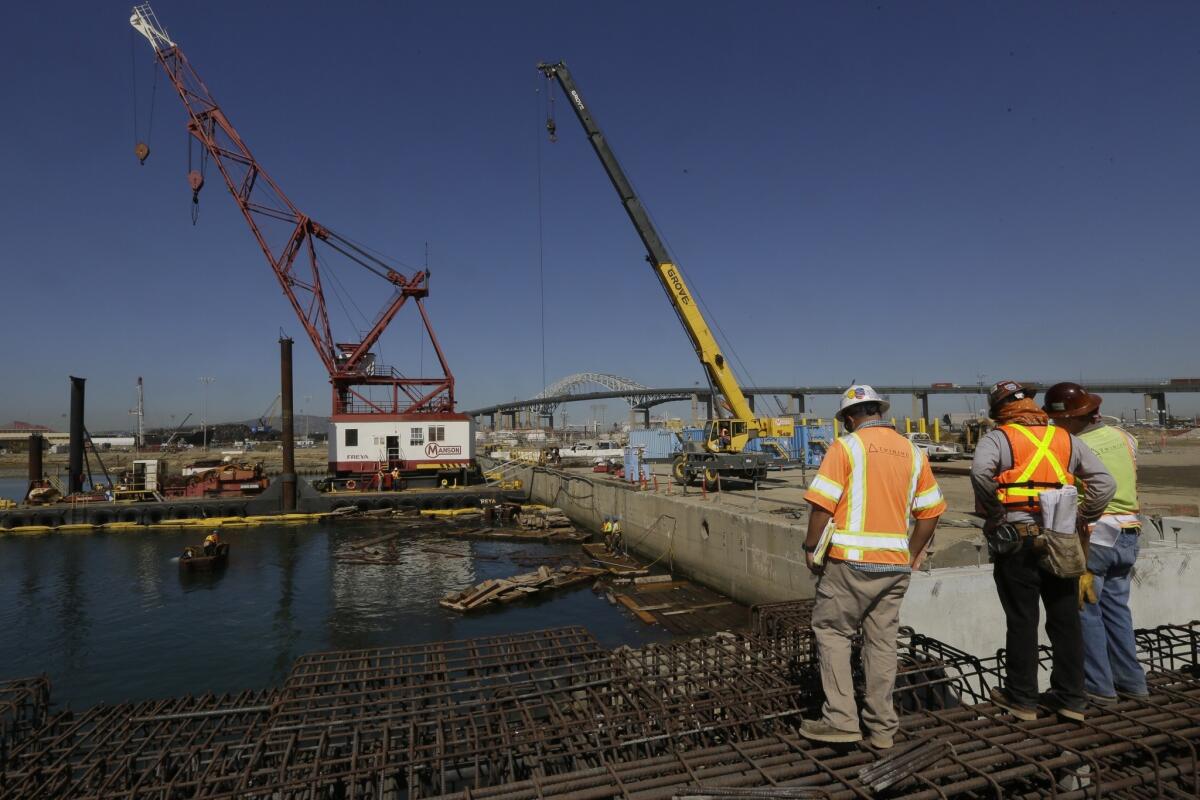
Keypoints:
pixel 1068 399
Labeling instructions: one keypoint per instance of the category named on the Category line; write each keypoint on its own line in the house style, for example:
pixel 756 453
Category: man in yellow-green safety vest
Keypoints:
pixel 1110 653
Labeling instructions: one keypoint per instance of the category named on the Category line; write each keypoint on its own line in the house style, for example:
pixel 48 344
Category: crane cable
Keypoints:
pixel 550 126
pixel 141 148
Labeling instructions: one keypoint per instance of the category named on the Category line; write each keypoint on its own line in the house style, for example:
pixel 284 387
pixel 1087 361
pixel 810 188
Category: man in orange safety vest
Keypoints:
pixel 872 483
pixel 1013 465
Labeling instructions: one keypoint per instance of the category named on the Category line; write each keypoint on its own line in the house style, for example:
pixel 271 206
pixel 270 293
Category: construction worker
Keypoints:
pixel 1023 457
pixel 871 482
pixel 210 543
pixel 723 440
pixel 1110 654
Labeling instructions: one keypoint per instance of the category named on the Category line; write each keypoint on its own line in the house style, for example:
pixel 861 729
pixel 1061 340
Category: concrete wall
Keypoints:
pixel 960 607
pixel 751 560
pixel 756 561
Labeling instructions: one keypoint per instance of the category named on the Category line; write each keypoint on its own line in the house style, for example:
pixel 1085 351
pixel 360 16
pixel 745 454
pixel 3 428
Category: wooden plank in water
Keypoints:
pixel 631 604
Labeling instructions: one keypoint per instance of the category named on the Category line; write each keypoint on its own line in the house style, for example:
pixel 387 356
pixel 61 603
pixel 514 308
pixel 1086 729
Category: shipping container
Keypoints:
pixel 658 444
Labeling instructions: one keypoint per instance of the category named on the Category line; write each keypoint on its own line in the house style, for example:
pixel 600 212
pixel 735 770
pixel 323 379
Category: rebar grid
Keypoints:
pixel 551 714
pixel 24 703
pixel 108 749
pixel 1132 748
pixel 1171 648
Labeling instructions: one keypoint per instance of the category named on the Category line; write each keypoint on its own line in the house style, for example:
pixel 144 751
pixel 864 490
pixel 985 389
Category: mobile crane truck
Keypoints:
pixel 723 451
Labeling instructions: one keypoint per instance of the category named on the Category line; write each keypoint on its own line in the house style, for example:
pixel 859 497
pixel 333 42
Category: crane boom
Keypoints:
pixel 669 275
pixel 289 239
pixel 723 452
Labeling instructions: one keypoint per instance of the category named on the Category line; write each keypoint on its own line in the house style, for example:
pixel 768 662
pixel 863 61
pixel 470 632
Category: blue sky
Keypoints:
pixel 883 191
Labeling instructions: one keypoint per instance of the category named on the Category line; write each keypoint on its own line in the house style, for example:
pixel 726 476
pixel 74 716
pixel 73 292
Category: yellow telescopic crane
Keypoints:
pixel 723 451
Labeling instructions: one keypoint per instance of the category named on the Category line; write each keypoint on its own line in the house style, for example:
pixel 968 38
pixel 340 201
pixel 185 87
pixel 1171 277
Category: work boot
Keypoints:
pixel 818 731
pixel 1001 698
pixel 1102 700
pixel 1052 701
pixel 880 741
pixel 1143 696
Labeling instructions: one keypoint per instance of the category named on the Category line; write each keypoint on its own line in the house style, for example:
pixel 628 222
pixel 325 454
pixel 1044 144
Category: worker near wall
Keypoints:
pixel 1110 653
pixel 1023 457
pixel 871 482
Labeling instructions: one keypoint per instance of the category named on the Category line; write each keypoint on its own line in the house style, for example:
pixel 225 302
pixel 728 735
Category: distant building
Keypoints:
pixel 14 436
pixel 108 442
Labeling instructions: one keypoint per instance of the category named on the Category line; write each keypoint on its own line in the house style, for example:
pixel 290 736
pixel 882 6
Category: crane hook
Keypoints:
pixel 196 181
pixel 142 151
pixel 552 129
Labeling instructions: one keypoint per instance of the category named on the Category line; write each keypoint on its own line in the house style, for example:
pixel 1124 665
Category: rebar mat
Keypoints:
pixel 552 714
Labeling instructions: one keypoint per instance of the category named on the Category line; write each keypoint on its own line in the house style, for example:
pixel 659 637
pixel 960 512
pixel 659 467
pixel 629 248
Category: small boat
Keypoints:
pixel 193 557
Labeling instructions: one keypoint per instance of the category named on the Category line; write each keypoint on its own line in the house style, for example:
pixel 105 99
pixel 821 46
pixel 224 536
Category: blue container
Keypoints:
pixel 658 444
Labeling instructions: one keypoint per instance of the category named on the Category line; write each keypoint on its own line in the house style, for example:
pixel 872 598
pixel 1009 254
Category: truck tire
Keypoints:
pixel 679 471
pixel 710 478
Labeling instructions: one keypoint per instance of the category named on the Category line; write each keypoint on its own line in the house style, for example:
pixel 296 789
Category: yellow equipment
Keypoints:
pixel 723 451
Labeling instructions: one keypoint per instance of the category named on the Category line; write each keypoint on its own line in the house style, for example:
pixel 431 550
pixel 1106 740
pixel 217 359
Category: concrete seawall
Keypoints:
pixel 750 559
pixel 757 560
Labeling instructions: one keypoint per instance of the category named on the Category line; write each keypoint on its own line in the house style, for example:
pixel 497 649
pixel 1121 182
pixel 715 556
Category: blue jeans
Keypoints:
pixel 1110 655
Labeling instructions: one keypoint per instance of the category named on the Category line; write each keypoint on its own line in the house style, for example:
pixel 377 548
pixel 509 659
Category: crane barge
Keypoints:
pixel 382 420
pixel 723 451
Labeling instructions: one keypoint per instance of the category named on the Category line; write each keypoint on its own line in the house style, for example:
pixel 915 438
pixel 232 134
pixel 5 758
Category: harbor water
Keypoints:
pixel 110 617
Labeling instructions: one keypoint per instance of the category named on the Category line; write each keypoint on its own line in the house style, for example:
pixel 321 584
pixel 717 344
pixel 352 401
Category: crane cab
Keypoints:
pixel 726 435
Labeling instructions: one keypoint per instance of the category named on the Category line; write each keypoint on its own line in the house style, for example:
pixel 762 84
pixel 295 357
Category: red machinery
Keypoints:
pixel 381 418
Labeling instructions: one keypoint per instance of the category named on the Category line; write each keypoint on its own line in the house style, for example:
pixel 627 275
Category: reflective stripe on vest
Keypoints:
pixel 1115 451
pixel 853 542
pixel 1037 466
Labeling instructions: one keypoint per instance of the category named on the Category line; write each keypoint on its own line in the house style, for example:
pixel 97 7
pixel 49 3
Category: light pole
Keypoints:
pixel 206 380
pixel 307 400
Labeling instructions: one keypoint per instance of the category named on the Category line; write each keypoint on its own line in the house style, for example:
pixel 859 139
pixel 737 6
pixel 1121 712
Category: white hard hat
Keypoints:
pixel 857 395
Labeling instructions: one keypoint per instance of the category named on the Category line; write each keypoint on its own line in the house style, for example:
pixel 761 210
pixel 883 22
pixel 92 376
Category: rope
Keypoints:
pixel 541 229
pixel 133 80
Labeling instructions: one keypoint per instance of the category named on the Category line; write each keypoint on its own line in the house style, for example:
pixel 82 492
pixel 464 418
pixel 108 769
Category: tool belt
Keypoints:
pixel 1008 538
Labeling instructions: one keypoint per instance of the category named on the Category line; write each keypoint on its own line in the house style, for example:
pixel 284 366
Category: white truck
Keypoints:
pixel 935 451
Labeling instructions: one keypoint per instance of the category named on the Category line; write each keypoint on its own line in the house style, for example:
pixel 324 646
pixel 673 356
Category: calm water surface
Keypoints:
pixel 109 617
pixel 12 488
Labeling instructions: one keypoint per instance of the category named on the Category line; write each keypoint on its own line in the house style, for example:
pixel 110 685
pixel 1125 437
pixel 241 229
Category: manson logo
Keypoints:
pixel 433 450
pixel 677 282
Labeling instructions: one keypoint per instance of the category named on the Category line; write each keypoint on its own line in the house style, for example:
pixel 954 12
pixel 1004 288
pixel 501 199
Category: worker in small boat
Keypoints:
pixel 210 543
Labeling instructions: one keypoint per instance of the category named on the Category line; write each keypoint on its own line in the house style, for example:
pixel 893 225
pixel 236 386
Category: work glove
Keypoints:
pixel 1087 593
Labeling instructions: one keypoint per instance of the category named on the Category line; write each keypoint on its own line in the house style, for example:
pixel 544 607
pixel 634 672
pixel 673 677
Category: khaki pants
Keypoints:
pixel 848 598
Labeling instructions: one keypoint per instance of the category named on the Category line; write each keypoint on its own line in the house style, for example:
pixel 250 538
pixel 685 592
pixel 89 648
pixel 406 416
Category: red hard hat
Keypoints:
pixel 1069 400
pixel 1002 390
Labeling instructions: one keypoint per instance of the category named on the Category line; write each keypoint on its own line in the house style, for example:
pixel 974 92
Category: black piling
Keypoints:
pixel 75 463
pixel 287 425
pixel 35 457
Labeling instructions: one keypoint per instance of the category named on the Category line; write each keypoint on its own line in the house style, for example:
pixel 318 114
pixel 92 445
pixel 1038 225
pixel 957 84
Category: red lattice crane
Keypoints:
pixel 298 248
